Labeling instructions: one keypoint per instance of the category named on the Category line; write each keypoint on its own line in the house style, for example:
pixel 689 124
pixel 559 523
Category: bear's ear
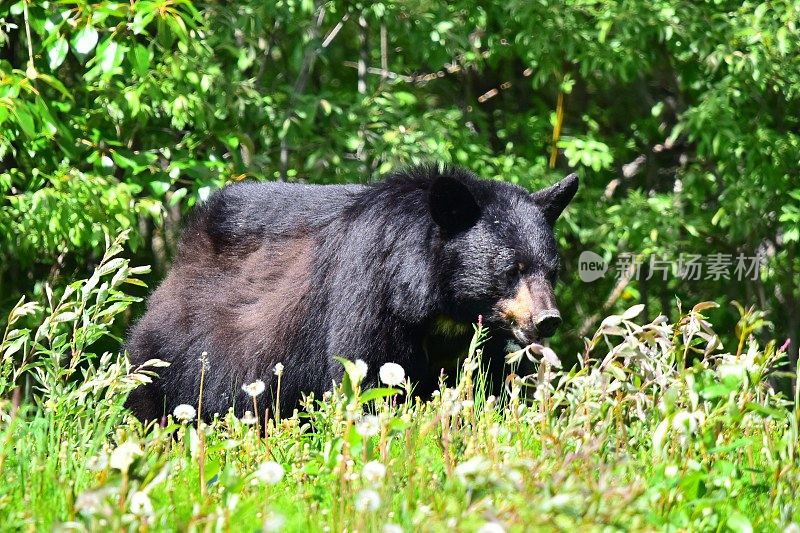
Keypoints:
pixel 452 205
pixel 555 198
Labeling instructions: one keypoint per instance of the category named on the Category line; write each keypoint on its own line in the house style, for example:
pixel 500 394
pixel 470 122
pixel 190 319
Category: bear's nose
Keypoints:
pixel 547 323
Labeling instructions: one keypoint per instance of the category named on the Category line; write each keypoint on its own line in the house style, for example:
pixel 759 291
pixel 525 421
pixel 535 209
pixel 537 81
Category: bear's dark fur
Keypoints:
pixel 299 274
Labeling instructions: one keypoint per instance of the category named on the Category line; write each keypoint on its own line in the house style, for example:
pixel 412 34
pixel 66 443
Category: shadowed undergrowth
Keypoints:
pixel 657 426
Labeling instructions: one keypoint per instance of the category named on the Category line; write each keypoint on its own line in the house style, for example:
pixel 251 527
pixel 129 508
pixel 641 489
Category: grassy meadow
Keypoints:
pixel 659 427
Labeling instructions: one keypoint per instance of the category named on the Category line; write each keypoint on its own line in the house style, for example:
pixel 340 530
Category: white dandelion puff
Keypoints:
pixel 491 527
pixel 123 455
pixel 471 468
pixel 392 528
pixel 367 500
pixel 184 412
pixel 269 472
pixel 255 388
pixel 97 463
pixel 392 374
pixel 204 364
pixel 141 504
pixel 278 369
pixel 358 371
pixel 373 472
pixel 249 418
pixel 89 502
pixel 274 523
pixel 368 426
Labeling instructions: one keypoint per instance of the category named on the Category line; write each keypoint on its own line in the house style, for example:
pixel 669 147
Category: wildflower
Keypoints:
pixel 140 504
pixel 358 372
pixel 392 374
pixel 373 472
pixel 471 468
pixel 184 412
pixel 89 502
pixel 454 408
pixel 671 471
pixel 368 426
pixel 367 500
pixel 514 477
pixel 278 369
pixel 249 418
pixel 687 423
pixel 792 528
pixel 97 463
pixel 124 454
pixel 273 523
pixel 255 388
pixel 204 365
pixel 491 527
pixel 392 528
pixel 269 472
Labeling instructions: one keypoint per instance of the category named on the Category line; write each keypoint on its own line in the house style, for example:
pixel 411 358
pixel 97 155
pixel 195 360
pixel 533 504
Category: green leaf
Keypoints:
pixel 140 59
pixel 85 40
pixel 25 121
pixel 739 523
pixel 57 53
pixel 111 57
pixel 380 392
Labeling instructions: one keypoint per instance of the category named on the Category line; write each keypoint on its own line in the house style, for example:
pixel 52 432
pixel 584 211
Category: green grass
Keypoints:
pixel 657 428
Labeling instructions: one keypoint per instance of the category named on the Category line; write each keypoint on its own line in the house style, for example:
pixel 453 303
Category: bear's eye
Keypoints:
pixel 515 270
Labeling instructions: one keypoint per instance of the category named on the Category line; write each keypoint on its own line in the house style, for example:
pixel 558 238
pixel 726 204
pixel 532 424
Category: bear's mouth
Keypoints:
pixel 524 337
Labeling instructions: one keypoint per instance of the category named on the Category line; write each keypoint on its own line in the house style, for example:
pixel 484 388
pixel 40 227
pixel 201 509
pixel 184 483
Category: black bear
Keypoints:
pixel 394 271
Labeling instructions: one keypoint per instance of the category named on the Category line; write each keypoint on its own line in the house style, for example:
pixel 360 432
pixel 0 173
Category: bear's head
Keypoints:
pixel 498 256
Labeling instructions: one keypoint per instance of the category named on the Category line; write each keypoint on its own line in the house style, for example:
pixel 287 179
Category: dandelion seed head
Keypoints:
pixel 249 418
pixel 184 412
pixel 358 371
pixel 491 527
pixel 392 528
pixel 97 463
pixel 368 426
pixel 471 468
pixel 367 500
pixel 269 472
pixel 274 523
pixel 373 472
pixel 391 374
pixel 123 455
pixel 255 388
pixel 278 369
pixel 140 504
pixel 204 363
pixel 89 502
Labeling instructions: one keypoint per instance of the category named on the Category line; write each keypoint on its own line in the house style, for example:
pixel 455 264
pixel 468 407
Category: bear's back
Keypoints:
pixel 242 216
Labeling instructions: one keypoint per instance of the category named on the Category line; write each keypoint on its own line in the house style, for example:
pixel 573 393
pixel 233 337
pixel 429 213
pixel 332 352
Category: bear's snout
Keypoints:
pixel 531 314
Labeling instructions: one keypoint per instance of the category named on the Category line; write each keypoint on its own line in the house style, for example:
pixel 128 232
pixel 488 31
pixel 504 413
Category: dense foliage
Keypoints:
pixel 681 117
pixel 630 439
